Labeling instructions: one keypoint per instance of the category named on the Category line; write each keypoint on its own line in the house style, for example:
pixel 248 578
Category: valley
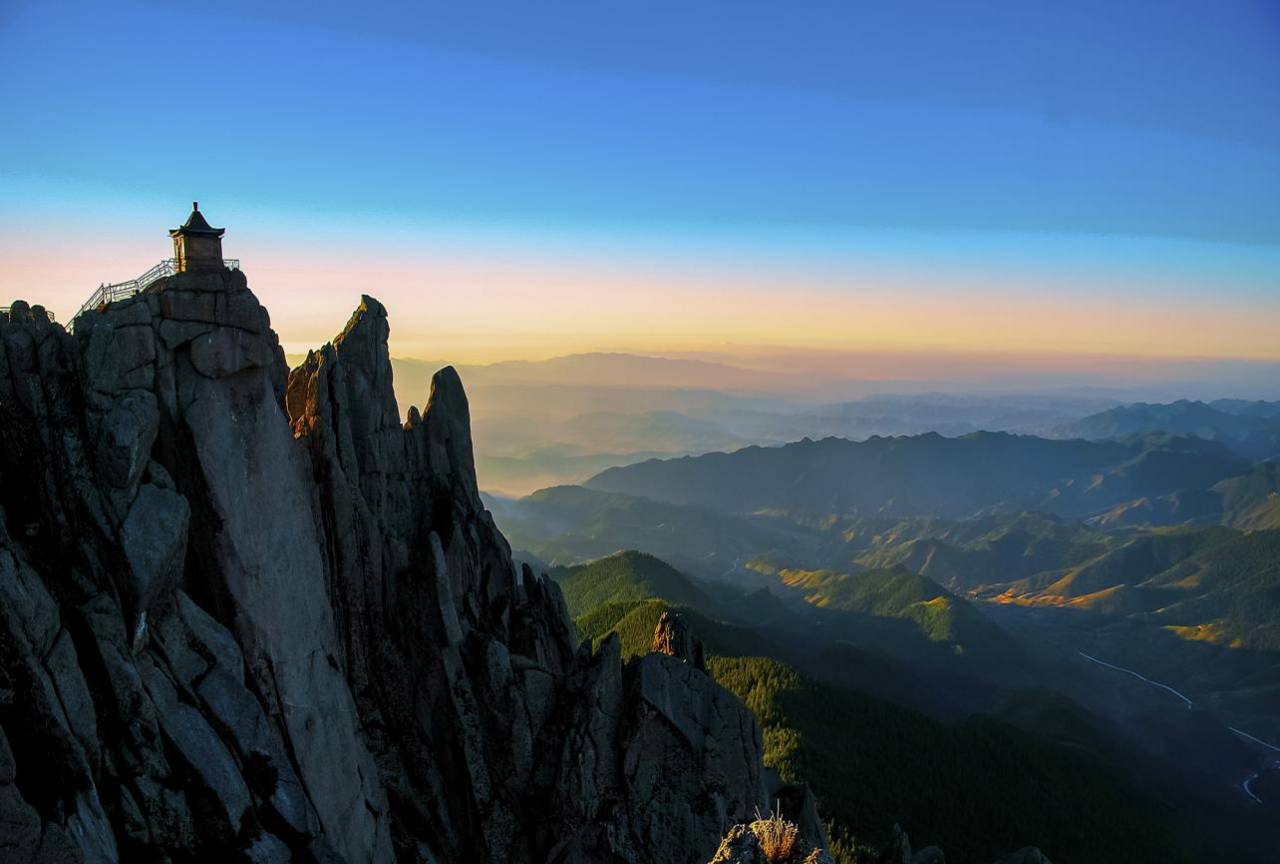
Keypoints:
pixel 983 576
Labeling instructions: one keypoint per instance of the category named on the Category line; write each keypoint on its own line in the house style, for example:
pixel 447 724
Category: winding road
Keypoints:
pixel 1247 785
pixel 1139 677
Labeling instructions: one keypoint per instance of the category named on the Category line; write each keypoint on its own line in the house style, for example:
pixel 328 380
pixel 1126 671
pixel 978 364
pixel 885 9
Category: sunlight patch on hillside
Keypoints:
pixel 1213 633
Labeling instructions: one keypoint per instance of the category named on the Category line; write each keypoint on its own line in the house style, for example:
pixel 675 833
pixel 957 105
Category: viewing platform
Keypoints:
pixel 123 290
pixel 197 246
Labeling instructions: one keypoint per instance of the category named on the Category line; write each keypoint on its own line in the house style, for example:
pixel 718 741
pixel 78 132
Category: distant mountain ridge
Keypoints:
pixel 931 475
pixel 1193 606
pixel 1249 428
pixel 561 420
pixel 1211 585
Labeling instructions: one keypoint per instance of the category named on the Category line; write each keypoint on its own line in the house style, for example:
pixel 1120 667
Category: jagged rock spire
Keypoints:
pixel 673 637
pixel 248 613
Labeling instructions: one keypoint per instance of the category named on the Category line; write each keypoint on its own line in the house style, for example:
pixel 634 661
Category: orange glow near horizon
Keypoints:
pixel 469 306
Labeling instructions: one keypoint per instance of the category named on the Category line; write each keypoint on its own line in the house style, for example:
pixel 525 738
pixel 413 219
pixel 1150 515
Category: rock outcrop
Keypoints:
pixel 748 844
pixel 673 637
pixel 797 804
pixel 251 615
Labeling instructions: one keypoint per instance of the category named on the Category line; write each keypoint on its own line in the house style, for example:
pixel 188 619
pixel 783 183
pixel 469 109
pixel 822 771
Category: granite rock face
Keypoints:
pixel 512 743
pixel 673 637
pixel 251 615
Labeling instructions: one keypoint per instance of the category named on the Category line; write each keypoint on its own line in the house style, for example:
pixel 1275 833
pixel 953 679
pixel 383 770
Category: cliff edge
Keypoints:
pixel 248 614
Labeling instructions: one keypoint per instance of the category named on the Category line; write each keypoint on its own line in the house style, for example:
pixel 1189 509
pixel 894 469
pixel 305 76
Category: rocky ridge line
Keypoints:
pixel 250 615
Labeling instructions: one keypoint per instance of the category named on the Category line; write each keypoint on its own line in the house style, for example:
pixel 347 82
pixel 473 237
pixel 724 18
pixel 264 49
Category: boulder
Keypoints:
pixel 176 333
pixel 206 635
pixel 20 312
pixel 224 351
pixel 188 306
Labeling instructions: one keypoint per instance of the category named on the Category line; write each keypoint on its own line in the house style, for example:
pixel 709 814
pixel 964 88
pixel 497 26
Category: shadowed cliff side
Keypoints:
pixel 165 526
pixel 499 739
pixel 223 639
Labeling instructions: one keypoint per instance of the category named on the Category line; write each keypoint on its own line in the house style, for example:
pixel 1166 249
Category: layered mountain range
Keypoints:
pixel 1251 428
pixel 1118 596
pixel 248 614
pixel 931 475
pixel 1030 767
pixel 562 420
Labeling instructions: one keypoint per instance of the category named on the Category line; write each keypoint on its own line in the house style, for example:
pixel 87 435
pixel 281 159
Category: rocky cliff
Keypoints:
pixel 248 614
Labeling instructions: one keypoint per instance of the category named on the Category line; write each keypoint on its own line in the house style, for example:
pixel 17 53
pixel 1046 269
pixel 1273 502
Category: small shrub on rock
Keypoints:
pixel 777 838
pixel 767 840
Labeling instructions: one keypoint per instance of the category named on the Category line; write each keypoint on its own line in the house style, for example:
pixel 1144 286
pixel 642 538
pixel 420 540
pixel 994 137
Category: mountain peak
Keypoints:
pixel 304 618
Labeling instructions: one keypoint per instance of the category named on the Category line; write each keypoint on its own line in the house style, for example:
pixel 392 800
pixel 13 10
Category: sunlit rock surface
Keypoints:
pixel 251 615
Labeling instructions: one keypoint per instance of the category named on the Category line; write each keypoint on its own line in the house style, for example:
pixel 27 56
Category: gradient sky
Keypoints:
pixel 532 179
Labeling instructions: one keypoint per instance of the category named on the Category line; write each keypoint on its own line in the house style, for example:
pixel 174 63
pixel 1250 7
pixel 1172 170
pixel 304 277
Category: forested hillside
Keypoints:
pixel 873 763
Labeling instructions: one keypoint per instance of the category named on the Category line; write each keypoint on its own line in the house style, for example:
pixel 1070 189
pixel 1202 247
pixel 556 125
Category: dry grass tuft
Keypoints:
pixel 778 837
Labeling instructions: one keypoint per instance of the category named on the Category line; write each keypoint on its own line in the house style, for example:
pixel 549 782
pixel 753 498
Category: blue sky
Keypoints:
pixel 1123 150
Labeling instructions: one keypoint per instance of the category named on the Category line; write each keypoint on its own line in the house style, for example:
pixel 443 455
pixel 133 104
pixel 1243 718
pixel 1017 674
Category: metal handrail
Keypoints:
pixel 121 290
pixel 5 310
